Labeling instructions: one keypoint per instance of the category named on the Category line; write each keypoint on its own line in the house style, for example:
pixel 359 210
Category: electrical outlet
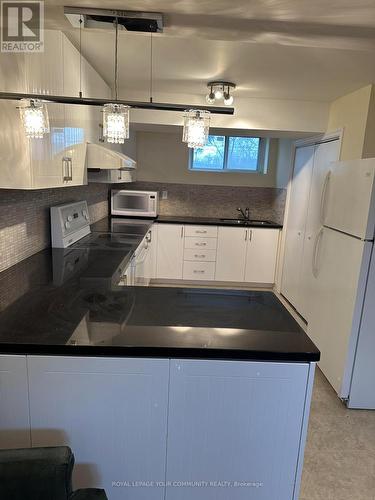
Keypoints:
pixel 164 195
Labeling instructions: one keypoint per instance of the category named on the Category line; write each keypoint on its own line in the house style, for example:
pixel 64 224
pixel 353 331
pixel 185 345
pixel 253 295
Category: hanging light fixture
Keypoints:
pixel 196 128
pixel 220 90
pixel 116 116
pixel 34 117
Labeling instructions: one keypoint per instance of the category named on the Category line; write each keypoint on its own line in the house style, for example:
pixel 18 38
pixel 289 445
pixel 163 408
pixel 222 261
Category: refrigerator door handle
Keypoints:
pixel 318 239
pixel 323 197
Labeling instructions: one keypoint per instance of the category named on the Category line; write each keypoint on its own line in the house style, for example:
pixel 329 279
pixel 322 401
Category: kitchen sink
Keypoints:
pixel 249 222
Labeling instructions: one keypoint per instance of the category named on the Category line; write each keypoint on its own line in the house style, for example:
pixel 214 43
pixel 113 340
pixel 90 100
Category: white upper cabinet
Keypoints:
pixel 170 251
pixel 261 255
pixel 231 253
pixel 57 160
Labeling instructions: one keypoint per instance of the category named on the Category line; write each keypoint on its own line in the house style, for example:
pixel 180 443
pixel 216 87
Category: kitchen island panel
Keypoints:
pixel 111 412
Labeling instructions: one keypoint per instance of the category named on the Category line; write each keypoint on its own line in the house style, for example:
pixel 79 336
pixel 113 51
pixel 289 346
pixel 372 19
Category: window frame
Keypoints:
pixel 261 163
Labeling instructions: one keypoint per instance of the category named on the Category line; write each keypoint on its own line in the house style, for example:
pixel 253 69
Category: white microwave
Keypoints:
pixel 134 203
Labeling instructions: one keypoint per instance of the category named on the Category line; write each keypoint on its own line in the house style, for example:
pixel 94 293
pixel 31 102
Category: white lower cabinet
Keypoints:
pixel 170 251
pixel 113 414
pixel 234 430
pixel 261 255
pixel 247 254
pixel 14 403
pixel 231 254
pixel 155 429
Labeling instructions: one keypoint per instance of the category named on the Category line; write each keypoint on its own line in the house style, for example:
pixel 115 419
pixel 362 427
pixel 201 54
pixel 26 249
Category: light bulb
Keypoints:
pixel 219 93
pixel 210 98
pixel 228 99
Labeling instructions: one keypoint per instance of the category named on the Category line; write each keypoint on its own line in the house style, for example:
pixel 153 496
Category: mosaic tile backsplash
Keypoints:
pixel 25 221
pixel 217 201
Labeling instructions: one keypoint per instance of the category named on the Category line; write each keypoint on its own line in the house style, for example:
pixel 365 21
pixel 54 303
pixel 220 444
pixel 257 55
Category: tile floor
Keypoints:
pixel 340 451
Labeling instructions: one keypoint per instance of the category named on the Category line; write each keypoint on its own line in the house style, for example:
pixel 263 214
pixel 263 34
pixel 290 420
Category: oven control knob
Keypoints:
pixel 84 213
pixel 70 218
pixel 67 225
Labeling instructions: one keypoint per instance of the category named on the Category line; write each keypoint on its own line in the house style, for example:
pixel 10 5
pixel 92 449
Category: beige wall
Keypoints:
pixel 163 157
pixel 350 112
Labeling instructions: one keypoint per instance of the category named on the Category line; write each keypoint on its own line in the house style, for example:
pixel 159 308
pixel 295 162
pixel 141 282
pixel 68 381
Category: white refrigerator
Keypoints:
pixel 342 322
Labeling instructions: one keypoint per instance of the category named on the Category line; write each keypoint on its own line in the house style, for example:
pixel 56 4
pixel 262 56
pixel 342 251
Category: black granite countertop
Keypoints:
pixel 212 221
pixel 48 308
pixel 107 223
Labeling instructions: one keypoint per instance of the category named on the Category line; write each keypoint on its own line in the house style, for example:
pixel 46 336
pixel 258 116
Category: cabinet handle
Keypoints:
pixel 66 169
pixel 198 271
pixel 315 269
pixel 197 256
pixel 251 235
pixel 149 236
pixel 200 244
pixel 200 232
pixel 324 196
pixel 70 163
pixel 245 234
pixel 101 135
pixel 182 231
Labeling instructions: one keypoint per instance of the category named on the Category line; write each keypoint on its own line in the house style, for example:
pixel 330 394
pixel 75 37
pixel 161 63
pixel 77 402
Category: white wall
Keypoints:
pixel 163 157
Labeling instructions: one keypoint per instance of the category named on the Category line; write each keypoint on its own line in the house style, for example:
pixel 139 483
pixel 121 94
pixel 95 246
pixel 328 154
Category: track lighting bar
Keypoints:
pixel 88 101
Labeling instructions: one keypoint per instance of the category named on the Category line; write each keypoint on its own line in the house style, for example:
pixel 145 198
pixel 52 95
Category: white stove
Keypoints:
pixel 69 223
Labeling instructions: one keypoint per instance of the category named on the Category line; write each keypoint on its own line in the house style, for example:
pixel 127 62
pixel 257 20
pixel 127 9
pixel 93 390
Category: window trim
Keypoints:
pixel 261 163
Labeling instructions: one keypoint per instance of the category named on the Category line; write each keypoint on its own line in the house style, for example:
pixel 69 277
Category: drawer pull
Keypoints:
pixel 199 271
pixel 200 244
pixel 197 256
pixel 200 232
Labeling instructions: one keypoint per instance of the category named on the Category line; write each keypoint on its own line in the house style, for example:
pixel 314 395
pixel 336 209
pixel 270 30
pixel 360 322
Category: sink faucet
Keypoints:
pixel 246 214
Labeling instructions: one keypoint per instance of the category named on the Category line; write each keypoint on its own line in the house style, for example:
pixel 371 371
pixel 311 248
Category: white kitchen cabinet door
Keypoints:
pixel 170 251
pixel 261 255
pixel 13 72
pixel 231 254
pixel 324 155
pixel 234 422
pixel 112 413
pixel 45 70
pixel 296 224
pixel 14 403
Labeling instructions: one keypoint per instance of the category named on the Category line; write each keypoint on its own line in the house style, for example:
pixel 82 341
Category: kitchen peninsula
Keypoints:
pixel 149 385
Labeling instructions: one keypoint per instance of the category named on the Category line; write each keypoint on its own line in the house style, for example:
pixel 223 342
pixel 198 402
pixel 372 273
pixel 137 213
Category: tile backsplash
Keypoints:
pixel 217 201
pixel 25 220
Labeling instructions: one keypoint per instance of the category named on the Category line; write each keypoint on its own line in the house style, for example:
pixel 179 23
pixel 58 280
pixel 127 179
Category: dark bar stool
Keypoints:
pixel 41 474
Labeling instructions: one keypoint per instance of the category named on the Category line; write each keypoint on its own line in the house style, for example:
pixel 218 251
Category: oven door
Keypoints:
pixel 134 203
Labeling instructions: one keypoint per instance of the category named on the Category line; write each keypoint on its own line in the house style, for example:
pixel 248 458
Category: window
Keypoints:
pixel 228 153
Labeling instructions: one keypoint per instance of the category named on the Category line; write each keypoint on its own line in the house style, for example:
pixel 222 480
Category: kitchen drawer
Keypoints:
pixel 198 270
pixel 200 255
pixel 202 243
pixel 204 231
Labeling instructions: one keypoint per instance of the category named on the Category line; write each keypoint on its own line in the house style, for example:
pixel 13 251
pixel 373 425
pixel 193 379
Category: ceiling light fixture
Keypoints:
pixel 196 128
pixel 220 90
pixel 116 116
pixel 34 117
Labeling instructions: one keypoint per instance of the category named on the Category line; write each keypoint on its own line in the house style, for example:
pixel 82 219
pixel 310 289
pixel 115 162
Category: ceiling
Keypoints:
pixel 274 49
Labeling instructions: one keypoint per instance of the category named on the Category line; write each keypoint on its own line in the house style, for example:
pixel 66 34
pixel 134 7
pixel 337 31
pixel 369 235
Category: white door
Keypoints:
pixel 261 255
pixel 349 204
pixel 112 413
pixel 234 422
pixel 170 251
pixel 14 403
pixel 340 269
pixel 231 253
pixel 296 224
pixel 325 154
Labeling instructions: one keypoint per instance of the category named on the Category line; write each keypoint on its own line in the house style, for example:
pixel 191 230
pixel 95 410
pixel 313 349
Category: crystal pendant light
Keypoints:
pixel 116 123
pixel 196 128
pixel 34 116
pixel 116 116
